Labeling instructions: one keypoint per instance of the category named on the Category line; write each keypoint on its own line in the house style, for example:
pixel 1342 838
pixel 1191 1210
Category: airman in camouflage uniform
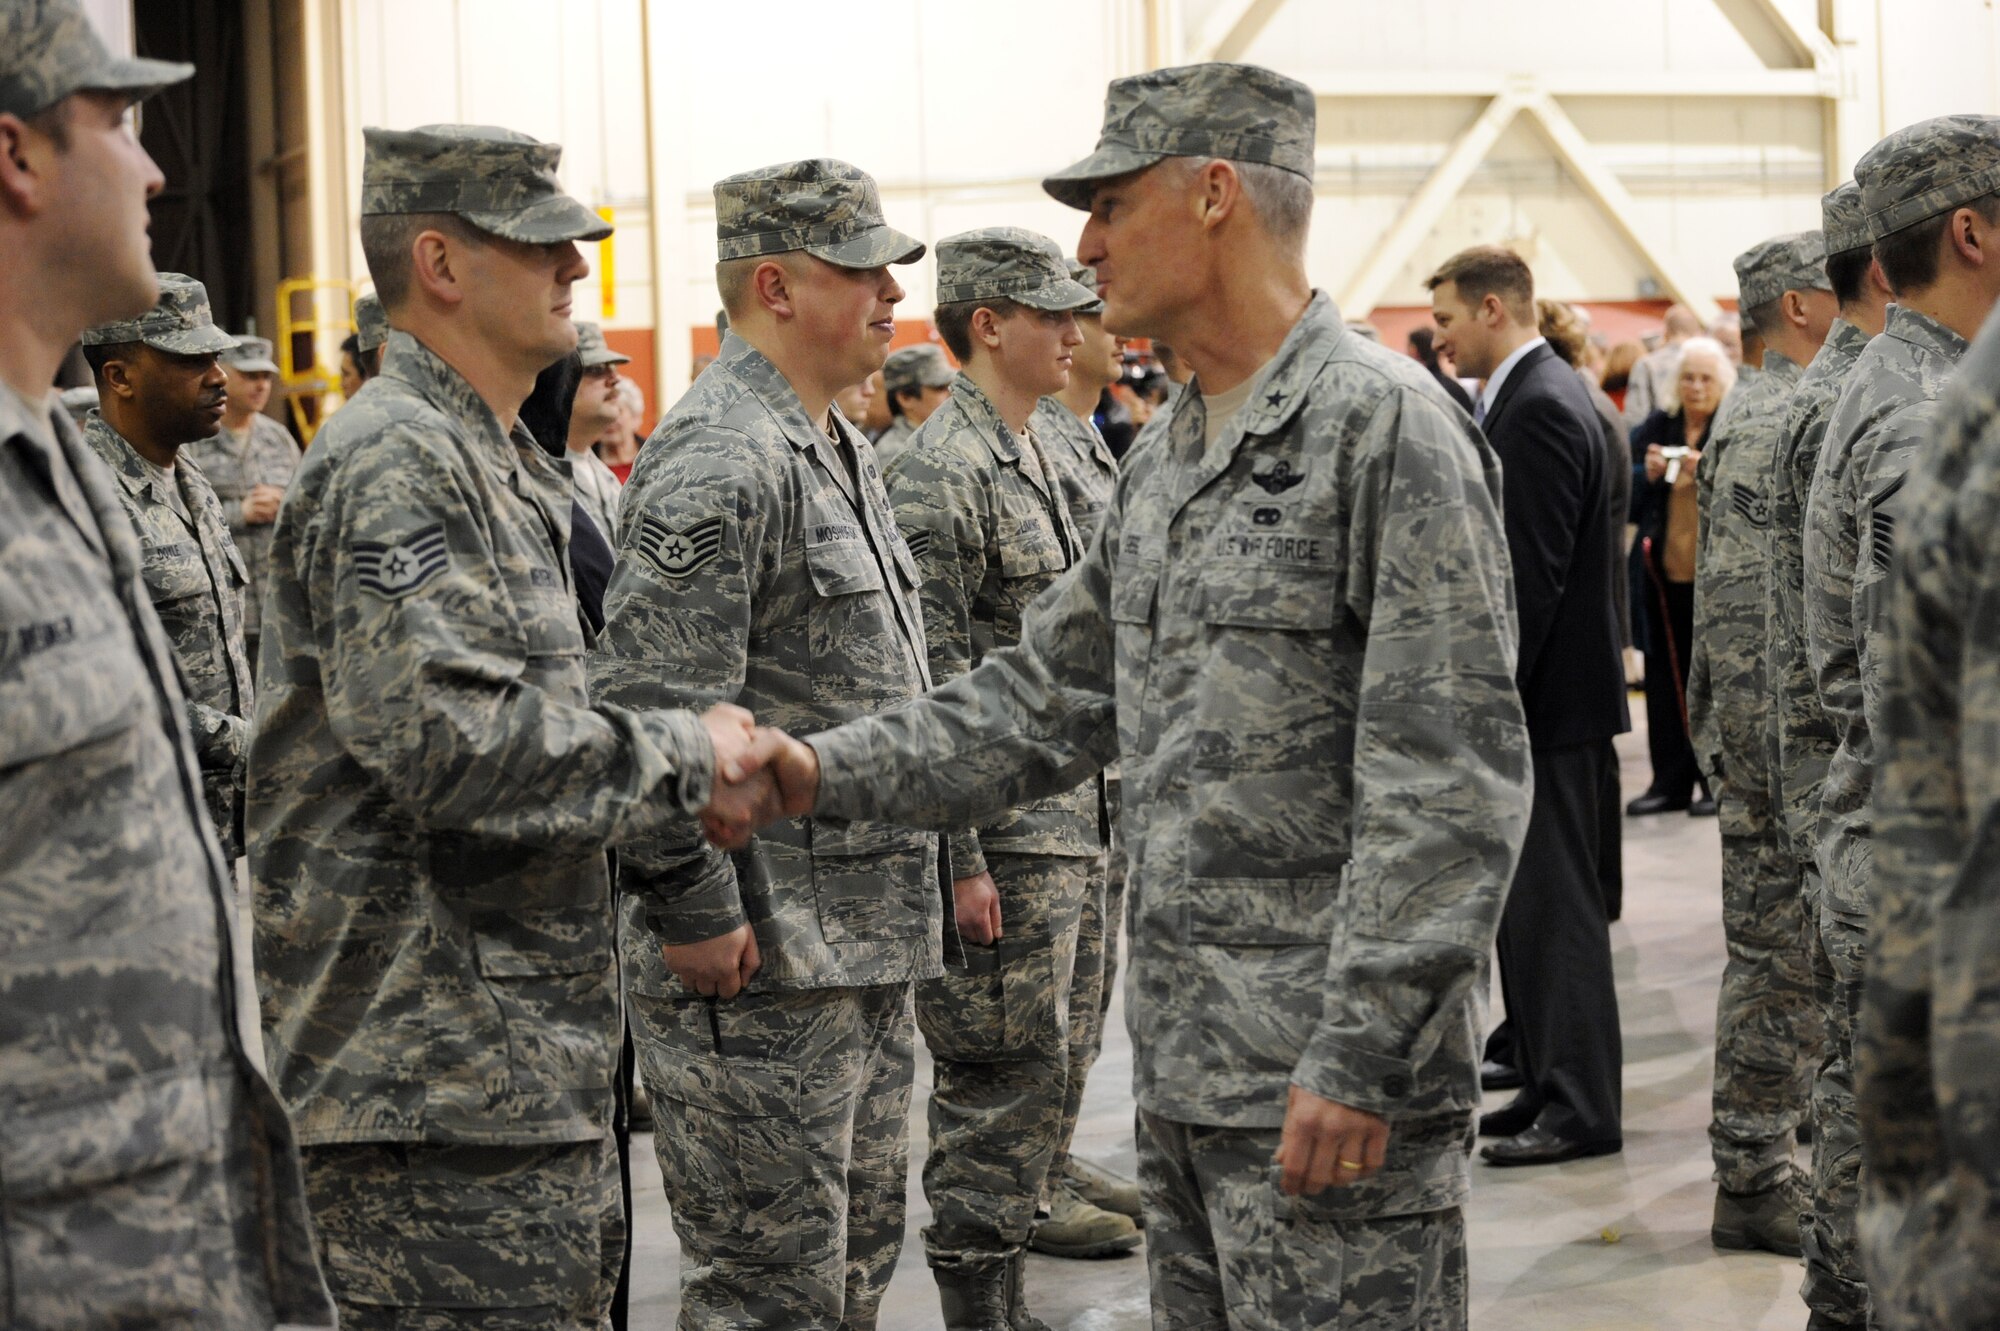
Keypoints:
pixel 1296 631
pixel 1803 742
pixel 980 504
pixel 1921 187
pixel 909 370
pixel 238 462
pixel 371 331
pixel 431 794
pixel 1923 1047
pixel 194 575
pixel 597 489
pixel 1768 1027
pixel 1884 414
pixel 760 563
pixel 1088 472
pixel 150 1176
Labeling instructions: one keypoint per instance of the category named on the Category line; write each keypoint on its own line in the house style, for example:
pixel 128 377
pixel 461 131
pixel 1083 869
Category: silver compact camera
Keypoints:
pixel 1673 457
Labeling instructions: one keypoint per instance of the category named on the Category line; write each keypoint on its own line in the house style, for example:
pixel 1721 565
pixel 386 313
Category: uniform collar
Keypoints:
pixel 1924 333
pixel 432 378
pixel 1845 339
pixel 1782 367
pixel 126 464
pixel 1281 383
pixel 756 372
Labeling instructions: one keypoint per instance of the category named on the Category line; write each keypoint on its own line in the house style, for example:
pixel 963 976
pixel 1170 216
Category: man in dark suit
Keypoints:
pixel 1555 944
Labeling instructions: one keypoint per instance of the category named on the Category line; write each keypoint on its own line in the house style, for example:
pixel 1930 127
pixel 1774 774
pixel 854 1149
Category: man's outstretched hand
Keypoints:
pixel 761 775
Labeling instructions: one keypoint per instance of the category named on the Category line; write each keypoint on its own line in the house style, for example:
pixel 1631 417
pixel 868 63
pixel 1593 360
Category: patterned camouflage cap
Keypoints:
pixel 594 350
pixel 1770 268
pixel 179 323
pixel 827 208
pixel 501 181
pixel 371 322
pixel 922 366
pixel 1928 168
pixel 1084 275
pixel 251 355
pixel 49 49
pixel 1843 221
pixel 1008 263
pixel 1242 112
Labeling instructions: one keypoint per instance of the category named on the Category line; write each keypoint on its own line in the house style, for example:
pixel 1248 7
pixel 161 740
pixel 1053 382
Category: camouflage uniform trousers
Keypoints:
pixel 782 1130
pixel 1768 1027
pixel 1090 987
pixel 1225 1248
pixel 999 1034
pixel 1835 1283
pixel 441 1237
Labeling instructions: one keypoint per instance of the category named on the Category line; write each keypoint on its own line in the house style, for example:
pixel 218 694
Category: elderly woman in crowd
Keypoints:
pixel 1666 449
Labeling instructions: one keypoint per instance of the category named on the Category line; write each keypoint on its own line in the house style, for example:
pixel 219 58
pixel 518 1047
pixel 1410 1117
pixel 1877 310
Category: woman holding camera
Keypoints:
pixel 1666 450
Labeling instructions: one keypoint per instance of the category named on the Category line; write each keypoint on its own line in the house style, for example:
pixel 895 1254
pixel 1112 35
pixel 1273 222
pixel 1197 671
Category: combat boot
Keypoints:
pixel 1104 1189
pixel 1075 1228
pixel 1766 1221
pixel 977 1297
pixel 1018 1316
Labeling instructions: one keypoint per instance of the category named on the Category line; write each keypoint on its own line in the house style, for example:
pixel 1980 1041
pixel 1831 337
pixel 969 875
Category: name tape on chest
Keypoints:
pixel 394 570
pixel 677 552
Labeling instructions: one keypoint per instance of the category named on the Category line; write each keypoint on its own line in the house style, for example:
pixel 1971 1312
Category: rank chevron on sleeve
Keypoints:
pixel 393 571
pixel 677 553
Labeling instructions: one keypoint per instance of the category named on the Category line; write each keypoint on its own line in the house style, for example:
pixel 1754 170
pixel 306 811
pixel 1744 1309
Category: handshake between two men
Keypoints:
pixel 761 775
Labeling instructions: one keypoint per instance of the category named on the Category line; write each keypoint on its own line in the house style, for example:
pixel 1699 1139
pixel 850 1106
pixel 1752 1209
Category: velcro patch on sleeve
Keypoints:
pixel 678 552
pixel 394 570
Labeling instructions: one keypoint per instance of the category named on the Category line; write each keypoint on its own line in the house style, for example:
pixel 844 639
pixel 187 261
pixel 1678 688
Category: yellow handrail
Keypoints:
pixel 308 387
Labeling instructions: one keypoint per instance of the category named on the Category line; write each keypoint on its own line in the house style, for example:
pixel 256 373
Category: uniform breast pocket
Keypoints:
pixel 1029 547
pixel 174 574
pixel 870 880
pixel 856 645
pixel 1267 631
pixel 73 680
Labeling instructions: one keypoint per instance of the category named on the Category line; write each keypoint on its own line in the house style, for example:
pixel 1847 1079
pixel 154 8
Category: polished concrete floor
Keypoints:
pixel 1620 1241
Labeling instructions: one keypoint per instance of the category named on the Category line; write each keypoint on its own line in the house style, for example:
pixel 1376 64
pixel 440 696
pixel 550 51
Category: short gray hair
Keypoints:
pixel 1281 198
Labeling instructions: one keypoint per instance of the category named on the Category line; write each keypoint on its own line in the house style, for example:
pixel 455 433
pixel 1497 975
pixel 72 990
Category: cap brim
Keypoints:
pixel 209 341
pixel 1064 296
pixel 603 358
pixel 871 249
pixel 1074 185
pixel 139 78
pixel 258 366
pixel 547 221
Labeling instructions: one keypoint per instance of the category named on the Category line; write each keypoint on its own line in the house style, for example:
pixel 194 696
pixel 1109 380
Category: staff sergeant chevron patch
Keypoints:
pixel 679 553
pixel 394 571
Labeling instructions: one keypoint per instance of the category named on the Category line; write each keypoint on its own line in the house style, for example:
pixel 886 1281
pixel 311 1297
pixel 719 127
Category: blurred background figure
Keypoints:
pixel 1651 380
pixel 619 447
pixel 1667 449
pixel 595 411
pixel 249 463
pixel 916 381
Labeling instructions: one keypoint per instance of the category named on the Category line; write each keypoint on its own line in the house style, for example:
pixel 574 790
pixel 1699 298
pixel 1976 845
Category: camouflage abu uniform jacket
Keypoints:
pixel 431 790
pixel 760 564
pixel 1805 735
pixel 1884 413
pixel 1082 462
pixel 197 579
pixel 1302 643
pixel 889 445
pixel 1728 683
pixel 990 531
pixel 150 1176
pixel 266 455
pixel 1929 1090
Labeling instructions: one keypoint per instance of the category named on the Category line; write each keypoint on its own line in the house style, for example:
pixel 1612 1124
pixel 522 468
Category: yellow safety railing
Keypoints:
pixel 308 387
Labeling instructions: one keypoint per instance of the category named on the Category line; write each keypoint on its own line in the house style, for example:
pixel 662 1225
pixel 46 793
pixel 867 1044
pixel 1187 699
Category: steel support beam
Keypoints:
pixel 1395 246
pixel 1228 31
pixel 1773 83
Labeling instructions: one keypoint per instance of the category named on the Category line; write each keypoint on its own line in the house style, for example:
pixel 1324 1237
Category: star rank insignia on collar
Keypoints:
pixel 677 553
pixel 1274 400
pixel 393 571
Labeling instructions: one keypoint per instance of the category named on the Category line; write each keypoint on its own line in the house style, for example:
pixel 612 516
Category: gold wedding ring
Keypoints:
pixel 1351 1164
